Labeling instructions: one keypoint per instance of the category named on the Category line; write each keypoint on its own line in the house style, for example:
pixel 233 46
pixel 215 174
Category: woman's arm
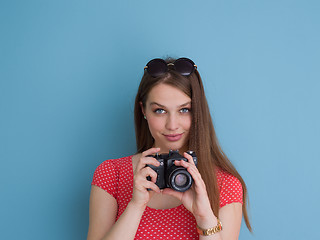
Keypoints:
pixel 102 216
pixel 103 206
pixel 230 216
pixel 102 213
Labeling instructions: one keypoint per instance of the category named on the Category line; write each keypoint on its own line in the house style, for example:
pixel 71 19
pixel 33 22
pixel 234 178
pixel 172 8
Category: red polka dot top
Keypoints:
pixel 115 176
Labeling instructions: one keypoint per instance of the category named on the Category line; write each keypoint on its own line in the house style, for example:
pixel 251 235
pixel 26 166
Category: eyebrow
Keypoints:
pixel 182 105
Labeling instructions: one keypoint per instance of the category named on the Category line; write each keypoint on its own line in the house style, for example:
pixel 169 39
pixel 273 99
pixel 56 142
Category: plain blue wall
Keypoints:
pixel 69 71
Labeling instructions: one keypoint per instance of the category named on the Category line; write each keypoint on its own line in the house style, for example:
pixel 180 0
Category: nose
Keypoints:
pixel 172 122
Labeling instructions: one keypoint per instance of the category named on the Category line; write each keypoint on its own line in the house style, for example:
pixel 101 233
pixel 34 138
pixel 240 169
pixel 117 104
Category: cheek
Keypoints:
pixel 155 124
pixel 187 123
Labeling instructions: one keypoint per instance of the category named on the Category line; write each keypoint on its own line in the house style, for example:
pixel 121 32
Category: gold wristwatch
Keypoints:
pixel 210 231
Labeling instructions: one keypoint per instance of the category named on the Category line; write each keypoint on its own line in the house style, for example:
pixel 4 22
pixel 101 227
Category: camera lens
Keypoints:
pixel 180 180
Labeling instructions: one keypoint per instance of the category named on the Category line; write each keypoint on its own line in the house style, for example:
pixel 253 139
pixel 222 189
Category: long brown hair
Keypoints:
pixel 202 139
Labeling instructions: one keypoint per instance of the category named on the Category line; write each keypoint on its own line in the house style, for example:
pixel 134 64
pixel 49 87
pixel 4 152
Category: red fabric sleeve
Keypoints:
pixel 230 189
pixel 106 177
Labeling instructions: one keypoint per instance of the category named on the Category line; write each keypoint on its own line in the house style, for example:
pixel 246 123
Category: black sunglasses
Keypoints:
pixel 157 67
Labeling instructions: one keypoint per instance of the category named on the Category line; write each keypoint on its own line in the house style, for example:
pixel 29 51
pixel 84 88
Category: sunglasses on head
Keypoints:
pixel 157 67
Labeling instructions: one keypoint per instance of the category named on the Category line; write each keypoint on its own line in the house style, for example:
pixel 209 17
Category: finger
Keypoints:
pixel 147 161
pixel 150 151
pixel 144 160
pixel 146 185
pixel 189 157
pixel 193 170
pixel 148 172
pixel 152 186
pixel 143 184
pixel 199 184
pixel 171 192
pixel 184 164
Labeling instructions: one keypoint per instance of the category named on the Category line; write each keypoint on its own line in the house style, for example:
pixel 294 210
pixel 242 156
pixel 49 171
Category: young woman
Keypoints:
pixel 171 113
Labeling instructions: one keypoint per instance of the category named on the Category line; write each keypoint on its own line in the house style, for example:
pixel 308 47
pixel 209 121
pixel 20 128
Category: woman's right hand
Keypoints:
pixel 141 195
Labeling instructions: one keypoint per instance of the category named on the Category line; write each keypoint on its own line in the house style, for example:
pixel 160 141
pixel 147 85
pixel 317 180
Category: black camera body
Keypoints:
pixel 170 175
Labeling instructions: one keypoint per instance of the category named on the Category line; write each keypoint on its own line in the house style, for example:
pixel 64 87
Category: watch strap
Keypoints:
pixel 210 231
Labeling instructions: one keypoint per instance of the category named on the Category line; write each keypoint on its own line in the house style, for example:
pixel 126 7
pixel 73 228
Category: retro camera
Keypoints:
pixel 170 175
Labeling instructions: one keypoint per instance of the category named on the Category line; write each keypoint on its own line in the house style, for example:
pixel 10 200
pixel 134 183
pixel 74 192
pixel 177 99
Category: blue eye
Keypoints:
pixel 185 110
pixel 159 111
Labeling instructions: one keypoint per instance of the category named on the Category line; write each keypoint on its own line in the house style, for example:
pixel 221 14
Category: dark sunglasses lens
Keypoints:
pixel 156 67
pixel 184 66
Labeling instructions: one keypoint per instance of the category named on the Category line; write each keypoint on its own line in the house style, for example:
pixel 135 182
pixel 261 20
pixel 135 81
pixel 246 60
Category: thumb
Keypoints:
pixel 173 193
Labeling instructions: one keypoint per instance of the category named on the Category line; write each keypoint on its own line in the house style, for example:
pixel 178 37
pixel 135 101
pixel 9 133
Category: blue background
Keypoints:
pixel 69 72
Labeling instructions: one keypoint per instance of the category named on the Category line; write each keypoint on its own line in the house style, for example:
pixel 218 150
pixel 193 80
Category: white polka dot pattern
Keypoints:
pixel 230 188
pixel 116 177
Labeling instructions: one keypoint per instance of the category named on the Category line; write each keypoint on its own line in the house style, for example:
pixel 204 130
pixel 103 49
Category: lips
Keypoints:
pixel 173 137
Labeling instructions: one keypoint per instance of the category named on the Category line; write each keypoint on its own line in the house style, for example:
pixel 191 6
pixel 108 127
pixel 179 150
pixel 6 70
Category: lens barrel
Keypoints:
pixel 179 179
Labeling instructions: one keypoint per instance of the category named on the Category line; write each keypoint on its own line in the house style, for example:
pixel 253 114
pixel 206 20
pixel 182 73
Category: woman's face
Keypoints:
pixel 168 112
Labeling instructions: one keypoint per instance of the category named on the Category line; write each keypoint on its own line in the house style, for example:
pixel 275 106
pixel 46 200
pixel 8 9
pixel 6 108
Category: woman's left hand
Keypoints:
pixel 195 199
